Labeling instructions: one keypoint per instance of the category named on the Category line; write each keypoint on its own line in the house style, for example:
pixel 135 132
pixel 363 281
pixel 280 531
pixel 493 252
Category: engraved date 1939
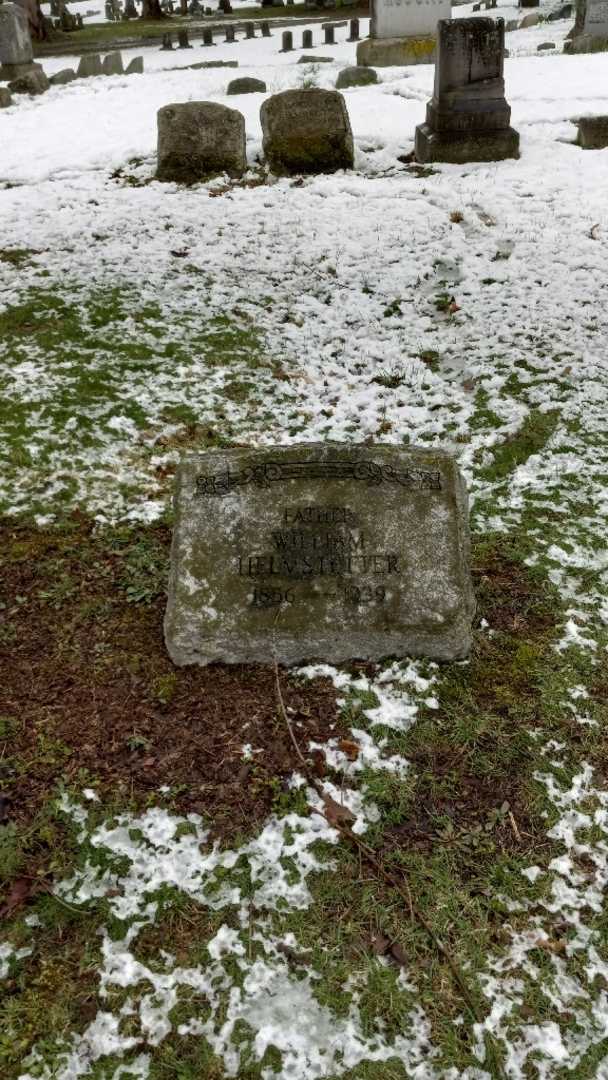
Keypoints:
pixel 349 594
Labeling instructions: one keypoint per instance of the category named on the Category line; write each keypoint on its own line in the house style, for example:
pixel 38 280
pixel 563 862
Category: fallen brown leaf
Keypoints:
pixel 335 813
pixel 350 748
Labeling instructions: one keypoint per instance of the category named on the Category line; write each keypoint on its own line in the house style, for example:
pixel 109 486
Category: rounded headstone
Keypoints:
pixel 61 78
pixel 529 20
pixel 307 131
pixel 266 30
pixel 199 139
pixel 136 66
pixel 112 64
pixel 249 30
pixel 246 86
pixel 89 65
pixel 230 35
pixel 307 39
pixel 545 45
pixel 287 41
pixel 5 98
pixel 207 36
pixel 356 76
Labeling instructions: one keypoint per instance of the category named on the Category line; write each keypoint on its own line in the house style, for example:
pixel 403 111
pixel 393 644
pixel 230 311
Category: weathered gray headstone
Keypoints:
pixel 402 32
pixel 135 66
pixel 355 76
pixel 112 64
pixel 5 97
pixel 306 131
pixel 286 41
pixel 63 77
pixel 266 30
pixel 89 66
pixel 249 30
pixel 307 58
pixel 307 39
pixel 319 551
pixel 532 19
pixel 330 35
pixel 468 118
pixel 207 36
pixel 592 132
pixel 200 139
pixel 246 85
pixel 596 18
pixel 353 30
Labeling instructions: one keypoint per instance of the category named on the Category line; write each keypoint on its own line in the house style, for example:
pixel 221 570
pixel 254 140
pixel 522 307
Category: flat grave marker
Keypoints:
pixel 318 551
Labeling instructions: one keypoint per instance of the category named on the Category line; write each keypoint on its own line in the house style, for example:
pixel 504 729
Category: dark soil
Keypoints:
pixel 89 695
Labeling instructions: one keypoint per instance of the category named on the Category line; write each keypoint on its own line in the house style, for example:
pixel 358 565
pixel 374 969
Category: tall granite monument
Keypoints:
pixel 590 31
pixel 468 117
pixel 326 551
pixel 402 32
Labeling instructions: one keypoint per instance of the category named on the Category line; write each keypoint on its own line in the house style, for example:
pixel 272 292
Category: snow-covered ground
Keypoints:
pixel 336 284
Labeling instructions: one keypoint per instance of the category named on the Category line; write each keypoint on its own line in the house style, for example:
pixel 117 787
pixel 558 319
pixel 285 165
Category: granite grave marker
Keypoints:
pixel 327 551
pixel 468 117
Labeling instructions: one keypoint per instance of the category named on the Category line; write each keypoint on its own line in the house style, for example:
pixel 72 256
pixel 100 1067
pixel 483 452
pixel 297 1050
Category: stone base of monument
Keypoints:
pixel 396 52
pixel 586 43
pixel 457 148
pixel 25 78
pixel 8 72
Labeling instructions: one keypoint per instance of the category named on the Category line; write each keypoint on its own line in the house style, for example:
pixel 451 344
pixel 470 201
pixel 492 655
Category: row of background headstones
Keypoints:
pixel 249 29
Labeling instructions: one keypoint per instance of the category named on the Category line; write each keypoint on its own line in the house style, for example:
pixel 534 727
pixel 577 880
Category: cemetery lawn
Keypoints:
pixel 176 901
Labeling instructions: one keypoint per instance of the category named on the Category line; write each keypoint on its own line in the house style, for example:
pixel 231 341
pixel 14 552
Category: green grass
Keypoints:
pixel 108 358
pixel 460 827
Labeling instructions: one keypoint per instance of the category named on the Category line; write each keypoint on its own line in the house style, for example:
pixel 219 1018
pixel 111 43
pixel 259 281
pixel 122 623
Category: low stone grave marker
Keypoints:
pixel 199 139
pixel 287 41
pixel 112 64
pixel 592 132
pixel 353 30
pixel 327 551
pixel 307 39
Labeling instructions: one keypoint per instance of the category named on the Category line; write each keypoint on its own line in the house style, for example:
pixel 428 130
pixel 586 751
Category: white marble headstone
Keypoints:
pixel 409 18
pixel 596 18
